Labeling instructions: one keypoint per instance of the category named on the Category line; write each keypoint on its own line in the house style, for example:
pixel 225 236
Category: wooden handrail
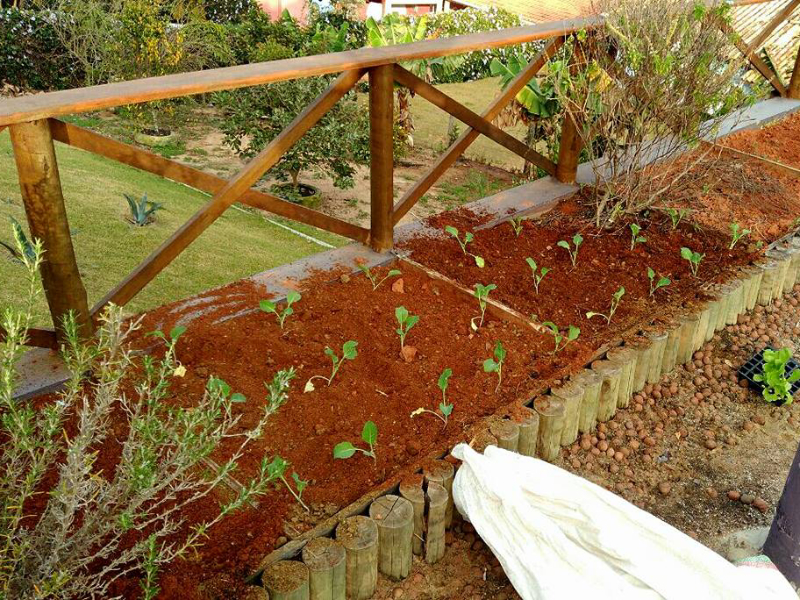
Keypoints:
pixel 56 104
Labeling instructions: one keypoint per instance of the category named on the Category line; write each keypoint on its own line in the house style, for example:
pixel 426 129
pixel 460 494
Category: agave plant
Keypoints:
pixel 22 248
pixel 142 211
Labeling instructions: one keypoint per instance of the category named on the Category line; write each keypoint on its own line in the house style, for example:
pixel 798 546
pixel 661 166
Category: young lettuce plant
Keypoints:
pixel 635 237
pixel 468 238
pixel 516 225
pixel 373 278
pixel 676 215
pixel 270 307
pixel 736 234
pixel 777 386
pixel 562 341
pixel 445 408
pixel 577 240
pixel 369 435
pixel 538 274
pixel 276 470
pixel 615 300
pixel 349 352
pixel 406 321
pixel 656 285
pixel 693 258
pixel 495 365
pixel 482 294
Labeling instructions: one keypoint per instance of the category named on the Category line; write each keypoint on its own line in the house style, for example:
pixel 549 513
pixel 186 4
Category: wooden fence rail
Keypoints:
pixel 34 126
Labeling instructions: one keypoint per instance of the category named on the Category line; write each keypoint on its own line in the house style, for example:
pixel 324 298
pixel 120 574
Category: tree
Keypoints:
pixel 255 116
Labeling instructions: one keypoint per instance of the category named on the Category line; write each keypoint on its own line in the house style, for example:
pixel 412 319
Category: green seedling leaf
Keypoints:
pixel 737 234
pixel 370 433
pixel 479 261
pixel 238 398
pixel 444 378
pixel 447 409
pixel 349 351
pixel 177 332
pixel 343 450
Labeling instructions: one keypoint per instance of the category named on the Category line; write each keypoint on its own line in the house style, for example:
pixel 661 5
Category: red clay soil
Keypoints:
pixel 779 141
pixel 378 385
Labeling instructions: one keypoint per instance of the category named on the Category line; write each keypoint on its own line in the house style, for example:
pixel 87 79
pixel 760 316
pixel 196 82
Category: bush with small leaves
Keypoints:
pixel 445 408
pixel 736 234
pixel 482 294
pixel 538 274
pixel 369 435
pixel 561 340
pixel 615 300
pixel 406 321
pixel 349 352
pixel 495 365
pixel 373 278
pixel 635 237
pixel 656 285
pixel 468 238
pixel 270 307
pixel 693 258
pixel 577 240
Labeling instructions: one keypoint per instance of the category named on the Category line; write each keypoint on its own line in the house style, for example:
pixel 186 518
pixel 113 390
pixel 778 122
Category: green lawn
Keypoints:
pixel 240 243
pixel 431 122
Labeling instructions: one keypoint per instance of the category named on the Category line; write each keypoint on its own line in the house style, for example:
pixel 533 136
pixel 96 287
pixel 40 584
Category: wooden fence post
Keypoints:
pixel 794 83
pixel 40 185
pixel 381 117
pixel 569 151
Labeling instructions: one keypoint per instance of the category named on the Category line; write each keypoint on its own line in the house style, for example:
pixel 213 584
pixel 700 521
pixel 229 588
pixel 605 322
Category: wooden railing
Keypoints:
pixel 34 127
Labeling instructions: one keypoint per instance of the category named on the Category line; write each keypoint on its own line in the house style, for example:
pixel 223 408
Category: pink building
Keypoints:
pixel 372 8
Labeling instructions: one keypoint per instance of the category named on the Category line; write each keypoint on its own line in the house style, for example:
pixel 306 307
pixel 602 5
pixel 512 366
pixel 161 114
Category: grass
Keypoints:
pixel 431 123
pixel 476 186
pixel 239 244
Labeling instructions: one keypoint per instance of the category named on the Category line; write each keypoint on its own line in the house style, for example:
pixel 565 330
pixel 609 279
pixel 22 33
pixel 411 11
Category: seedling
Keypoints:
pixel 445 408
pixel 495 365
pixel 276 469
pixel 349 352
pixel 373 278
pixel 538 274
pixel 655 285
pixel 676 215
pixel 777 386
pixel 577 240
pixel 562 341
pixel 406 321
pixel 270 307
pixel 369 435
pixel 516 225
pixel 736 234
pixel 635 237
pixel 468 237
pixel 694 259
pixel 615 300
pixel 482 294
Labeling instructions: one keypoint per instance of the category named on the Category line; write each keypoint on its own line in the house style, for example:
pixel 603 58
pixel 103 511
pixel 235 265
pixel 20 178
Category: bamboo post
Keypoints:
pixel 783 260
pixel 507 434
pixel 551 425
pixel 658 347
pixel 394 517
pixel 40 185
pixel 714 306
pixel 436 500
pixel 725 292
pixel 755 274
pixel 643 351
pixel 572 395
pixel 442 472
pixel 673 341
pixel 359 536
pixel 689 326
pixel 528 423
pixel 770 270
pixel 704 316
pixel 735 303
pixel 286 580
pixel 411 490
pixel 592 385
pixel 791 275
pixel 381 118
pixel 482 441
pixel 609 392
pixel 326 561
pixel 626 358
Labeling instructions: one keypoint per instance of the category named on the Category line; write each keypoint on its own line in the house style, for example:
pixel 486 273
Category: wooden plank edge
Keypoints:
pixel 37 338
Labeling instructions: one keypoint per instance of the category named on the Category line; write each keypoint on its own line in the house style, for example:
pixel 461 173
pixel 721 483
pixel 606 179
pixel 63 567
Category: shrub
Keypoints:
pixel 659 77
pixel 32 56
pixel 255 116
pixel 99 519
pixel 476 65
pixel 228 11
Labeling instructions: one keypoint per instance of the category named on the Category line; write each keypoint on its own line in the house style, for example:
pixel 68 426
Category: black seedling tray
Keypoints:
pixel 755 366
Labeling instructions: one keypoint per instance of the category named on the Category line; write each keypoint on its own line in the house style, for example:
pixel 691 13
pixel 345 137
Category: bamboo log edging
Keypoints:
pixel 592 384
pixel 359 536
pixel 572 395
pixel 625 357
pixel 411 490
pixel 507 434
pixel 768 277
pixel 287 580
pixel 527 421
pixel 442 472
pixel 689 328
pixel 436 501
pixel 325 559
pixel 673 342
pixel 642 348
pixel 394 517
pixel 609 392
pixel 658 343
pixel 552 415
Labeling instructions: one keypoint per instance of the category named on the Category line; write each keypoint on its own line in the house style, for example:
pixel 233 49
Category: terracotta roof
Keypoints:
pixel 536 11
